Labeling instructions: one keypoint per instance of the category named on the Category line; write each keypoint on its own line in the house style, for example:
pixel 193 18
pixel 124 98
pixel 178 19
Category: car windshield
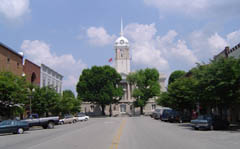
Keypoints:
pixel 157 110
pixel 204 117
pixel 7 122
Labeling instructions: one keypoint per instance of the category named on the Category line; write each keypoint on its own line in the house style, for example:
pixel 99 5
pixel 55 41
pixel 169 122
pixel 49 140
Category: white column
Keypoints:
pixel 129 91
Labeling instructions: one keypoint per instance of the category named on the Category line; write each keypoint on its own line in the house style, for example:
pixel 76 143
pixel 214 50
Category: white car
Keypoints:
pixel 82 117
pixel 68 119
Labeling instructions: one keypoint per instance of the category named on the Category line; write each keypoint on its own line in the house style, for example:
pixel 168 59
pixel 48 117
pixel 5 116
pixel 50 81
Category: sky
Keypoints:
pixel 71 35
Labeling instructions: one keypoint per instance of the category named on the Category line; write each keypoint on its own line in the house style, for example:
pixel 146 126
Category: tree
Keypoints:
pixel 220 82
pixel 101 85
pixel 182 94
pixel 45 100
pixel 146 84
pixel 13 93
pixel 176 75
pixel 68 103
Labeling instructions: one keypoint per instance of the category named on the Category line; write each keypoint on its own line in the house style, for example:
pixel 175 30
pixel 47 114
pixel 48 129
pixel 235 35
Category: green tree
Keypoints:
pixel 181 94
pixel 220 82
pixel 176 75
pixel 101 85
pixel 45 100
pixel 68 103
pixel 13 93
pixel 146 84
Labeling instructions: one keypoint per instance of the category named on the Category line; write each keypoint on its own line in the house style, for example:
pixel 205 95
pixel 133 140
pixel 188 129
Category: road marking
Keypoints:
pixel 116 139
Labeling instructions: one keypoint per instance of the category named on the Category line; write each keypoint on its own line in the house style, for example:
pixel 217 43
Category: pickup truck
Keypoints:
pixel 46 122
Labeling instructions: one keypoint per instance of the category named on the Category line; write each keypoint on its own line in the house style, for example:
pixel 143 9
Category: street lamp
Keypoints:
pixel 30 105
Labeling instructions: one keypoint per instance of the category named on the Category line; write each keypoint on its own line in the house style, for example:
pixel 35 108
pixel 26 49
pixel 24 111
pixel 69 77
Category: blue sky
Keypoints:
pixel 70 35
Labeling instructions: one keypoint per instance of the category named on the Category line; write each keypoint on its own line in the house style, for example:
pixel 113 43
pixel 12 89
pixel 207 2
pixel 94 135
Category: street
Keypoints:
pixel 121 133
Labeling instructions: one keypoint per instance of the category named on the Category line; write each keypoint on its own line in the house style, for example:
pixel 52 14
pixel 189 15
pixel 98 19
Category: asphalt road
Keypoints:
pixel 121 133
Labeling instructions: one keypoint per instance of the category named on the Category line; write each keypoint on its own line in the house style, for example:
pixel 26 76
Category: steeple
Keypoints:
pixel 121 33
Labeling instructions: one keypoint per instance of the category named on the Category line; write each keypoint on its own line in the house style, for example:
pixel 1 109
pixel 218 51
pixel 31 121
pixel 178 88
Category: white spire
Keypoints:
pixel 121 33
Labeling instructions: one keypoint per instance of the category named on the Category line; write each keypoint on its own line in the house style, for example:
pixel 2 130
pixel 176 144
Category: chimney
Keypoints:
pixel 226 50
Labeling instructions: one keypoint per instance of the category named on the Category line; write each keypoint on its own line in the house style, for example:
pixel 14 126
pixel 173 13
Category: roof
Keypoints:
pixel 32 63
pixel 3 45
pixel 121 41
pixel 51 69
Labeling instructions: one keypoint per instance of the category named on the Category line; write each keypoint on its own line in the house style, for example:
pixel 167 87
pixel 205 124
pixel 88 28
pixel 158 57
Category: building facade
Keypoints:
pixel 234 112
pixel 32 72
pixel 51 78
pixel 10 61
pixel 122 65
pixel 227 52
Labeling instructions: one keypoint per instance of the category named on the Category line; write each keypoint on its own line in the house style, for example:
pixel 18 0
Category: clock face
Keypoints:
pixel 121 41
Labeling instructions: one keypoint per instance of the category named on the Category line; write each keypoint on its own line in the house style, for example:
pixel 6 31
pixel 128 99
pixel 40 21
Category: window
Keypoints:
pixel 114 107
pixel 92 107
pixel 8 59
pixel 17 65
pixel 44 82
pixel 153 106
pixel 123 108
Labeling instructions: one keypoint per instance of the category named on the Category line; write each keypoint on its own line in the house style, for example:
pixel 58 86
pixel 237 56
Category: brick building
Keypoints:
pixel 32 72
pixel 10 60
pixel 234 112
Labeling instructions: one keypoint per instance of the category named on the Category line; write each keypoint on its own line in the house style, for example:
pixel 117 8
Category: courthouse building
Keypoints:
pixel 123 66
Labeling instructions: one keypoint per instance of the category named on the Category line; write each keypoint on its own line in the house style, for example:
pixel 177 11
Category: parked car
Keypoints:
pixel 46 122
pixel 68 119
pixel 165 114
pixel 82 117
pixel 13 126
pixel 156 113
pixel 210 122
pixel 180 117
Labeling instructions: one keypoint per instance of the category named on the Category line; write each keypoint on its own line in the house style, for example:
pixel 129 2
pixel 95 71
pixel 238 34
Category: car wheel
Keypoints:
pixel 74 121
pixel 20 131
pixel 50 125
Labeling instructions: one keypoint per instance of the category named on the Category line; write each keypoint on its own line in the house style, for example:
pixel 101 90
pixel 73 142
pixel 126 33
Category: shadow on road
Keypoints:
pixel 232 128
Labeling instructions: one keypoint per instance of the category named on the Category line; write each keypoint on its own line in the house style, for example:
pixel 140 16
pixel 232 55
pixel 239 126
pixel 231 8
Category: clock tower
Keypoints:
pixel 122 54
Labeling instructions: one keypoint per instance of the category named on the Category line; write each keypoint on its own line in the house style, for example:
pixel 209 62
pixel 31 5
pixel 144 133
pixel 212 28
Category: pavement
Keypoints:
pixel 121 133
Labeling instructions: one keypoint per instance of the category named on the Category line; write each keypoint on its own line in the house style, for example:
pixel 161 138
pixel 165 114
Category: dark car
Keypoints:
pixel 210 122
pixel 166 114
pixel 174 116
pixel 13 126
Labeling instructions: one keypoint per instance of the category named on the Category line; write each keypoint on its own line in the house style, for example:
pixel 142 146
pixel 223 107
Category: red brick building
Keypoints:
pixel 10 60
pixel 32 72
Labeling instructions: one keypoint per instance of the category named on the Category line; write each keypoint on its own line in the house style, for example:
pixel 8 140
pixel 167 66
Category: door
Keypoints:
pixel 123 108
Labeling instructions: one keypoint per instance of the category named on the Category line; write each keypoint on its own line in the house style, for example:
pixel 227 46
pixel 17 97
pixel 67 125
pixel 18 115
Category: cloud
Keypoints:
pixel 164 53
pixel 195 7
pixel 234 38
pixel 14 9
pixel 98 36
pixel 205 46
pixel 40 53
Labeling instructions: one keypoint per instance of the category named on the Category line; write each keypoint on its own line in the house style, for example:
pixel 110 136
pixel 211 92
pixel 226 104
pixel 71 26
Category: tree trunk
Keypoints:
pixel 141 110
pixel 103 110
pixel 110 110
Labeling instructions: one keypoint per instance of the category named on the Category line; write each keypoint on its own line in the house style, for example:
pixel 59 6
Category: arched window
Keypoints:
pixel 33 77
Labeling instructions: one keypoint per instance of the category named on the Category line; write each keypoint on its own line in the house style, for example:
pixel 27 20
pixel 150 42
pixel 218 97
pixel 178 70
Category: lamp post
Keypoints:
pixel 30 105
